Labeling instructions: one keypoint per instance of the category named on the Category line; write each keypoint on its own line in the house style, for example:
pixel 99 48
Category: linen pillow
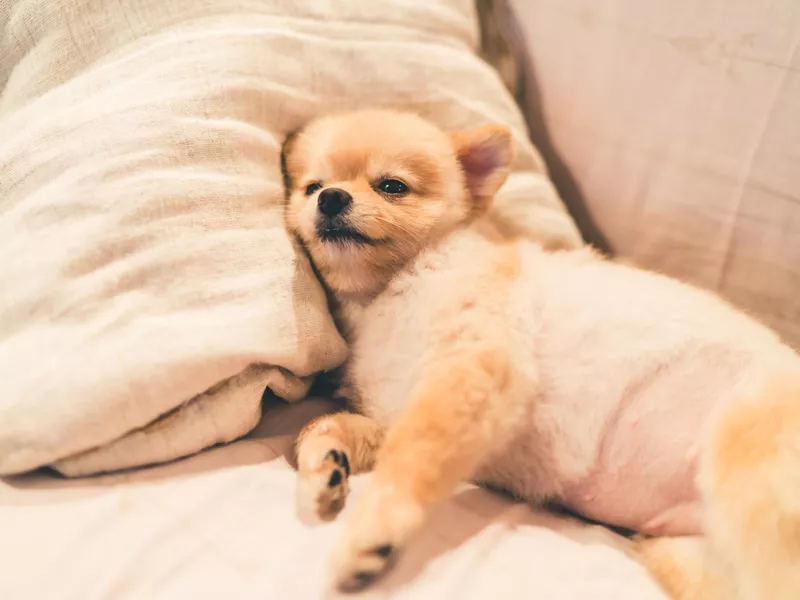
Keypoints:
pixel 150 292
pixel 676 127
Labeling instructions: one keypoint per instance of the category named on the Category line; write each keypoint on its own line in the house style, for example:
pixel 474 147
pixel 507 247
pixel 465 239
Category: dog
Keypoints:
pixel 624 395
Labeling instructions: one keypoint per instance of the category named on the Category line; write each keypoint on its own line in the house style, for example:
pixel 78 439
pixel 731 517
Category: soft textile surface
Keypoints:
pixel 222 525
pixel 679 125
pixel 144 266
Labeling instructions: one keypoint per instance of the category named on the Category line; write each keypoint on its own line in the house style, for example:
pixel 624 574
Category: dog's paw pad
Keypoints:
pixel 340 458
pixel 322 490
pixel 335 479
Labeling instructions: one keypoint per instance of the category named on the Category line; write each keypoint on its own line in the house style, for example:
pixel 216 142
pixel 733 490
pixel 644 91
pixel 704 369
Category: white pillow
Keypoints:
pixel 679 123
pixel 145 269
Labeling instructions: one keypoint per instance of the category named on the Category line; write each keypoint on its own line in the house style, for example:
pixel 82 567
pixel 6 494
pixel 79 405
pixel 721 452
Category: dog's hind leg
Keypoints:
pixel 681 565
pixel 750 481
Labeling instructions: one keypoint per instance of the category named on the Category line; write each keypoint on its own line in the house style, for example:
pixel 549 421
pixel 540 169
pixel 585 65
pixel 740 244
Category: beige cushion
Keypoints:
pixel 678 121
pixel 145 268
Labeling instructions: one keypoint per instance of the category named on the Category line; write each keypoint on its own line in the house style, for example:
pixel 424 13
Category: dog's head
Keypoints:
pixel 367 191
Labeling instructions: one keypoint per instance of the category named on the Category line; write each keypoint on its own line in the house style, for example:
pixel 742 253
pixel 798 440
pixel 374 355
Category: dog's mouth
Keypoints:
pixel 344 235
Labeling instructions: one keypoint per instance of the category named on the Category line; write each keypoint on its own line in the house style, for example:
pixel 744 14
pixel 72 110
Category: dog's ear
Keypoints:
pixel 286 149
pixel 486 155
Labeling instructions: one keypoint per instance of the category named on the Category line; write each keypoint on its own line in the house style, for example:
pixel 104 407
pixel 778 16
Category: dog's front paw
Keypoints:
pixel 379 529
pixel 355 568
pixel 322 482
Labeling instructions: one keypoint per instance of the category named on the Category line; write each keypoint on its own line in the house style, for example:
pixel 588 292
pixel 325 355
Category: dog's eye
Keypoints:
pixel 393 187
pixel 313 187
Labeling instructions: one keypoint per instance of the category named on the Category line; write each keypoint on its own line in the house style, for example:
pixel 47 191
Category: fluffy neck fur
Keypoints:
pixel 348 306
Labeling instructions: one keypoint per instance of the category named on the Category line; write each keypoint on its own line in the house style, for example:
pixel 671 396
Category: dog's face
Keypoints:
pixel 366 191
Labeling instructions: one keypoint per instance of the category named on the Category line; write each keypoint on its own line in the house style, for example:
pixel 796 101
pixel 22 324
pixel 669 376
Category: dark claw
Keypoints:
pixel 384 551
pixel 336 478
pixel 345 464
pixel 364 577
pixel 334 456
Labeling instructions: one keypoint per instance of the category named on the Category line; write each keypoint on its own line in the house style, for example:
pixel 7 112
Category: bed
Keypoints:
pixel 150 294
pixel 223 524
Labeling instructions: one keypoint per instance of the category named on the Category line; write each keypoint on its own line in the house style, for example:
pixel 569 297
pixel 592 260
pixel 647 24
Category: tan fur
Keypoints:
pixel 471 410
pixel 680 566
pixel 751 477
pixel 358 436
pixel 756 433
pixel 507 265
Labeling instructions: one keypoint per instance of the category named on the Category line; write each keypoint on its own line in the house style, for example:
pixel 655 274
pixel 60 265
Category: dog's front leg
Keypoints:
pixel 463 408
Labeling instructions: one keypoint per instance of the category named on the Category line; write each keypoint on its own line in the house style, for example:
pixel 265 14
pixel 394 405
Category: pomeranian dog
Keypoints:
pixel 626 396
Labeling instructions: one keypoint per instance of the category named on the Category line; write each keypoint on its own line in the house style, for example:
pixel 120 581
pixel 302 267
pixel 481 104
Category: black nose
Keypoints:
pixel 333 201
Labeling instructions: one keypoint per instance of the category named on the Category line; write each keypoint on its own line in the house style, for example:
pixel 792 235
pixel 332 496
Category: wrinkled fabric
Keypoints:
pixel 149 290
pixel 222 524
pixel 674 125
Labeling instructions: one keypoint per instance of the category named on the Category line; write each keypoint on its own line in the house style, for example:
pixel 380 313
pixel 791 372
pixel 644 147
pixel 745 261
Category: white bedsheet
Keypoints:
pixel 222 525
